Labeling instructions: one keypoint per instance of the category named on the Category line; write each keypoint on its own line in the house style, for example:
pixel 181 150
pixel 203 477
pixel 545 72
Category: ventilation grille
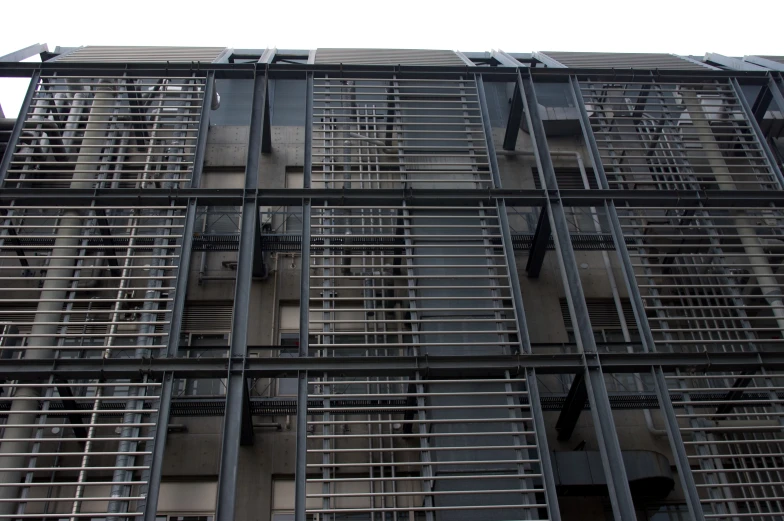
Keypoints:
pixel 605 60
pixel 568 179
pixel 389 57
pixel 214 317
pixel 603 314
pixel 101 53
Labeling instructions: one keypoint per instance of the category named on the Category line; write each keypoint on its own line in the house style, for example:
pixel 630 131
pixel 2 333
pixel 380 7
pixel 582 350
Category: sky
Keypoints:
pixel 669 26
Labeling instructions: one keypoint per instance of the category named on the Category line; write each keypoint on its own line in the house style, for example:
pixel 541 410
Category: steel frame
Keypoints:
pixel 239 366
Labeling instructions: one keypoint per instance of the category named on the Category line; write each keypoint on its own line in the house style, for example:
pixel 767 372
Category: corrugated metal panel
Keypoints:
pixel 614 60
pixel 778 59
pixel 388 57
pixel 602 313
pixel 214 317
pixel 108 53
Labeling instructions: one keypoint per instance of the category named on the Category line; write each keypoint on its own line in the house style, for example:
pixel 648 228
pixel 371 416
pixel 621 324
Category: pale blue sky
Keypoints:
pixel 670 26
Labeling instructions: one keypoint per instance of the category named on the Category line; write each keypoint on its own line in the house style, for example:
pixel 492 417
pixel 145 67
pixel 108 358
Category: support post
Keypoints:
pixel 204 128
pixel 539 245
pixel 301 467
pixel 236 385
pixel 609 447
pixel 575 403
pixel 515 118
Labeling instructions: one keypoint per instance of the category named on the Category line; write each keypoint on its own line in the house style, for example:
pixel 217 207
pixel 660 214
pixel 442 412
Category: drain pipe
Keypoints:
pixel 40 343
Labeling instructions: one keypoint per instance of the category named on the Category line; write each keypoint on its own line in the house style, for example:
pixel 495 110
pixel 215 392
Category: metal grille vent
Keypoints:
pixel 207 317
pixel 621 60
pixel 735 435
pixel 603 314
pixel 103 53
pixel 108 132
pixel 379 133
pixel 389 57
pixel 708 277
pixel 678 136
pixel 456 447
pixel 90 441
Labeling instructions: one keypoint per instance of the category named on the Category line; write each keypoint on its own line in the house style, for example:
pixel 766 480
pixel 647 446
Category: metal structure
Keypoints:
pixel 422 379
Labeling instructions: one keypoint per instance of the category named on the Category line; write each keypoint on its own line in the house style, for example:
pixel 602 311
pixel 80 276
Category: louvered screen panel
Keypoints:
pixel 457 449
pixel 389 57
pixel 90 441
pixel 732 426
pixel 108 132
pixel 126 54
pixel 709 277
pixel 675 136
pixel 622 60
pixel 398 132
pixel 89 278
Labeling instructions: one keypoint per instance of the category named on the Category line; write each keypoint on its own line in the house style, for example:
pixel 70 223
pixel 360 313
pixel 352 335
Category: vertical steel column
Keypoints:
pixel 180 293
pixel 178 307
pixel 612 460
pixel 238 350
pixel 757 131
pixel 517 297
pixel 660 384
pixel 300 481
pixel 204 127
pixel 20 121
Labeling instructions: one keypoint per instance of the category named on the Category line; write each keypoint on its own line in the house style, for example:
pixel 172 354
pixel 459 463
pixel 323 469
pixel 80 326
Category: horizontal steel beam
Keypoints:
pixel 282 70
pixel 372 198
pixel 451 366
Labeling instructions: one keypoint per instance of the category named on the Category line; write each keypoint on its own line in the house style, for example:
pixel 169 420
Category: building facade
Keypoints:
pixel 533 286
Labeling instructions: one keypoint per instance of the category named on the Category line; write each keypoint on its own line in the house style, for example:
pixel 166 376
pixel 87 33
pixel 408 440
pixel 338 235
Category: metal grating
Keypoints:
pixel 709 277
pixel 442 288
pixel 679 136
pixel 92 278
pixel 108 132
pixel 623 60
pixel 129 54
pixel 736 439
pixel 77 450
pixel 389 57
pixel 393 133
pixel 456 447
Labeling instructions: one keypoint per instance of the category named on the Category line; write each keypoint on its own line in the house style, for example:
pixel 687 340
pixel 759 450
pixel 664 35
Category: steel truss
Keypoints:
pixel 704 206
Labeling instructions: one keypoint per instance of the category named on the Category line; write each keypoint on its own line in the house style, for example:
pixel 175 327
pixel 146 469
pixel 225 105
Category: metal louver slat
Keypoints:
pixel 389 57
pixel 125 54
